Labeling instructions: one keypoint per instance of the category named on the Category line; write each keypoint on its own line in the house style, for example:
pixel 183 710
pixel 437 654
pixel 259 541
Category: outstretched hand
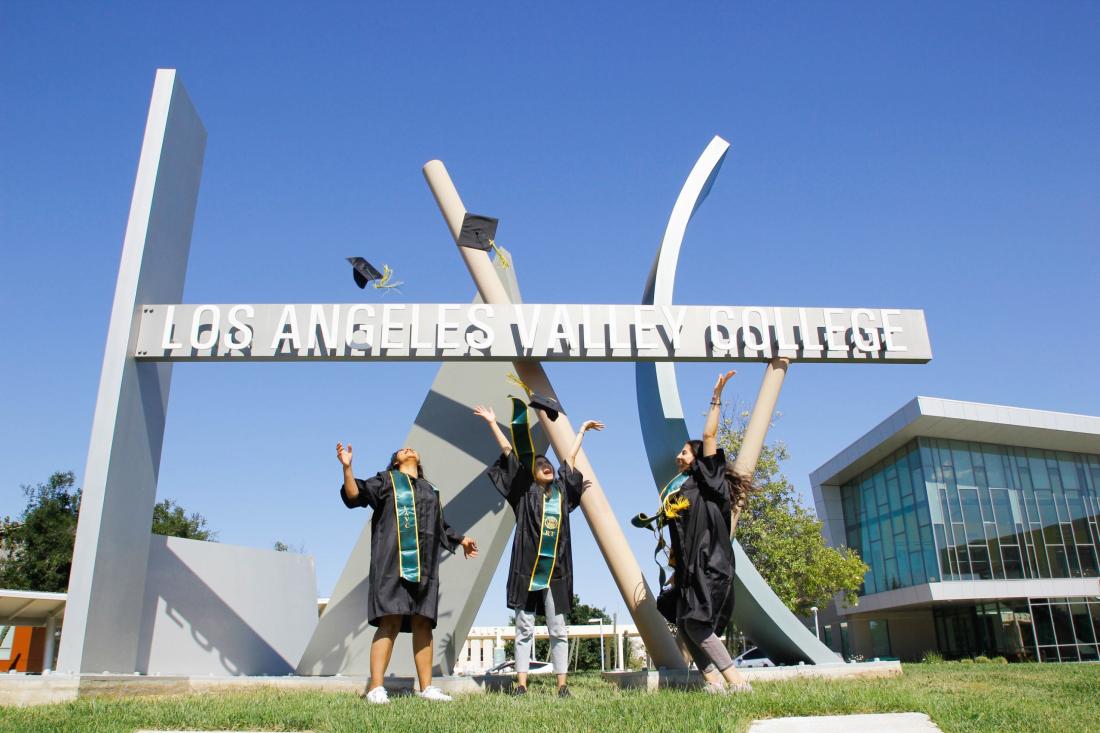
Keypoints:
pixel 344 454
pixel 469 547
pixel 721 383
pixel 486 413
pixel 592 425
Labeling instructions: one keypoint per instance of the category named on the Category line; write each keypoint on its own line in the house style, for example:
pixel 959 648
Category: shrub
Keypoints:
pixel 999 660
pixel 931 656
pixel 981 659
pixel 966 661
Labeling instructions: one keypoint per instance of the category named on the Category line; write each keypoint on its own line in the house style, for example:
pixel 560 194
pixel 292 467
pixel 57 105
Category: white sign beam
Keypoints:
pixel 547 332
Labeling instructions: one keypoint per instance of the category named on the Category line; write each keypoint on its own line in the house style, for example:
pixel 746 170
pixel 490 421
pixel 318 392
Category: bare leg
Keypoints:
pixel 521 679
pixel 381 649
pixel 733 676
pixel 422 650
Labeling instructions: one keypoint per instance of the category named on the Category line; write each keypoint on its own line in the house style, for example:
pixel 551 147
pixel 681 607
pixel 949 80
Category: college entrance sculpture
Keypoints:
pixel 150 330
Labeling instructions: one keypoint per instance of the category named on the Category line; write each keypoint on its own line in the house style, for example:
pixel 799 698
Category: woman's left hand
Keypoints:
pixel 469 547
pixel 721 383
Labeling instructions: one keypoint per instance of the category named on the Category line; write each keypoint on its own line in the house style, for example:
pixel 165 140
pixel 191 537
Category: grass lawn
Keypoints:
pixel 958 697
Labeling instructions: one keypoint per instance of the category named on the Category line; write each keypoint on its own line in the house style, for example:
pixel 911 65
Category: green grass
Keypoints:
pixel 986 697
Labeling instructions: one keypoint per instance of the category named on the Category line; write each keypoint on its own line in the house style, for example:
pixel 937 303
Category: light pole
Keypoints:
pixel 600 622
pixel 817 629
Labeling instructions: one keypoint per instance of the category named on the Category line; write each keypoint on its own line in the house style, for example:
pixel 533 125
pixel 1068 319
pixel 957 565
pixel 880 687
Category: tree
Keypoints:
pixel 36 552
pixel 783 537
pixel 171 520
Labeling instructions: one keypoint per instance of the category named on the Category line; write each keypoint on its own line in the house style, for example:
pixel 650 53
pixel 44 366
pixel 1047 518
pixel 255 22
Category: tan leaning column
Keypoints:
pixel 609 535
pixel 752 442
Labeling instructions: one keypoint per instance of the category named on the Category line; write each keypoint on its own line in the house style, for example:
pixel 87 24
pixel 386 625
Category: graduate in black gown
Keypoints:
pixel 540 574
pixel 697 508
pixel 408 532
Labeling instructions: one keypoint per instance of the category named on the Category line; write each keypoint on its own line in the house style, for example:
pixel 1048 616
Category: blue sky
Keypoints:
pixel 912 155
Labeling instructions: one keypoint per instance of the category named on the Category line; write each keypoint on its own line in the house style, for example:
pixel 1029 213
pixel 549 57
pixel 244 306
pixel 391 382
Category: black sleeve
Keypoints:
pixel 370 492
pixel 573 481
pixel 710 476
pixel 510 477
pixel 450 539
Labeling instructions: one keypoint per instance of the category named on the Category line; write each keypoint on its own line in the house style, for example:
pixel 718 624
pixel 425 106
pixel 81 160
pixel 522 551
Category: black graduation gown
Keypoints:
pixel 390 594
pixel 702 548
pixel 514 481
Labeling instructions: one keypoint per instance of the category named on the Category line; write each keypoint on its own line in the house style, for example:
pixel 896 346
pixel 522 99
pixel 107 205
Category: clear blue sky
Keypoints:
pixel 915 155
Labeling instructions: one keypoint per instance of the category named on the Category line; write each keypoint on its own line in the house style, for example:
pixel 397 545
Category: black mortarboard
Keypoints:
pixel 363 271
pixel 547 404
pixel 478 232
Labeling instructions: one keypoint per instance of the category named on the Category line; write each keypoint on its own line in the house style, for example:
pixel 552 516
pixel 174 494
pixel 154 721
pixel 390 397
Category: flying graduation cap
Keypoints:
pixel 547 404
pixel 363 271
pixel 479 232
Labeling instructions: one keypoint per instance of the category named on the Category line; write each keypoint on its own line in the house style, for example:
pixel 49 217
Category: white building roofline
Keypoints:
pixel 934 417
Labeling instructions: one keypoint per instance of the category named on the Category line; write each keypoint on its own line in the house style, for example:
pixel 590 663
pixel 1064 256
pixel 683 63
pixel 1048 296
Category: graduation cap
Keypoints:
pixel 547 404
pixel 363 271
pixel 479 232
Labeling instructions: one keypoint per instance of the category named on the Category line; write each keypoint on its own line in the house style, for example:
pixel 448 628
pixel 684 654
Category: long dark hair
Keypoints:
pixel 739 485
pixel 394 465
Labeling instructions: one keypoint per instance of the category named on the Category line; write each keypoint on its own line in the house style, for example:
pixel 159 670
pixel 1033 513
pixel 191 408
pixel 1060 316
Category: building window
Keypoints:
pixel 888 521
pixel 955 510
pixel 880 637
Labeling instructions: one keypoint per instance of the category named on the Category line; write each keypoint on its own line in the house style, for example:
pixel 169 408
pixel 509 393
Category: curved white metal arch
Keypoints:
pixel 758 611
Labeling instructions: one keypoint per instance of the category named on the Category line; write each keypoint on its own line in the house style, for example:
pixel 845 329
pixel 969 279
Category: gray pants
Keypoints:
pixel 705 647
pixel 559 638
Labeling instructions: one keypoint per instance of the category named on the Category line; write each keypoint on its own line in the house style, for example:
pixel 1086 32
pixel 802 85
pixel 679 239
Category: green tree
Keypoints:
pixel 36 551
pixel 171 520
pixel 783 537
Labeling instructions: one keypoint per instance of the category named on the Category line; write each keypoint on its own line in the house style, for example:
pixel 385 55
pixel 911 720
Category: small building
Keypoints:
pixel 979 524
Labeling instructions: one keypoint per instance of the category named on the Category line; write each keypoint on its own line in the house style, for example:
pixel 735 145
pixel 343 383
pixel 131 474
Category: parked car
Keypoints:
pixel 509 667
pixel 754 657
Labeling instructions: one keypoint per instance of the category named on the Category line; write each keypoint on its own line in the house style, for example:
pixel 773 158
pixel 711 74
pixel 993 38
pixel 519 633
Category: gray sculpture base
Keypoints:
pixel 24 690
pixel 651 680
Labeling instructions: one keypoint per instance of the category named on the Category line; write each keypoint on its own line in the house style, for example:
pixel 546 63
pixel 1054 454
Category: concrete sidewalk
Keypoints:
pixel 892 722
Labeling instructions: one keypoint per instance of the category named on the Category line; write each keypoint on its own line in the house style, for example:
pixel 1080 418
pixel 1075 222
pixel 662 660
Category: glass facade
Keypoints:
pixel 954 510
pixel 888 520
pixel 1025 630
pixel 1007 513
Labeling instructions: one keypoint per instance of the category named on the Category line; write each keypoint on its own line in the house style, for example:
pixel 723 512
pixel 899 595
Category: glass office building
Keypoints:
pixel 979 527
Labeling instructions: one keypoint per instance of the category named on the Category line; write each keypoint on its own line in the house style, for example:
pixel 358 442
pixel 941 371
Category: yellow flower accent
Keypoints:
pixel 675 505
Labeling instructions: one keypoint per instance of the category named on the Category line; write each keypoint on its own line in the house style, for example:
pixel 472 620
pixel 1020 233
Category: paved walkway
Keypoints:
pixel 892 722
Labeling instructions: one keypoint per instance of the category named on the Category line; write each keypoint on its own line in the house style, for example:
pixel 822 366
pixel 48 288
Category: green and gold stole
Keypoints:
pixel 673 502
pixel 408 537
pixel 550 525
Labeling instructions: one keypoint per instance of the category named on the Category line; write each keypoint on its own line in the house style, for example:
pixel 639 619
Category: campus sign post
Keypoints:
pixel 150 331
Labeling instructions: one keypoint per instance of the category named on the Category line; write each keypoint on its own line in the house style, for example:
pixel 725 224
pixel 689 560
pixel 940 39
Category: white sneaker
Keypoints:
pixel 378 696
pixel 435 694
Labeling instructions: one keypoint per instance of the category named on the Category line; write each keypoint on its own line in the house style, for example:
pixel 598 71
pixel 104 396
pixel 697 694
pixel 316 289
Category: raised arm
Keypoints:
pixel 344 455
pixel 488 415
pixel 588 425
pixel 710 430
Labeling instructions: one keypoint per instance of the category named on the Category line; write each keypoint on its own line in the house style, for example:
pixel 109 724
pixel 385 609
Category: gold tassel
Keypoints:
pixel 385 283
pixel 675 505
pixel 500 254
pixel 519 382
